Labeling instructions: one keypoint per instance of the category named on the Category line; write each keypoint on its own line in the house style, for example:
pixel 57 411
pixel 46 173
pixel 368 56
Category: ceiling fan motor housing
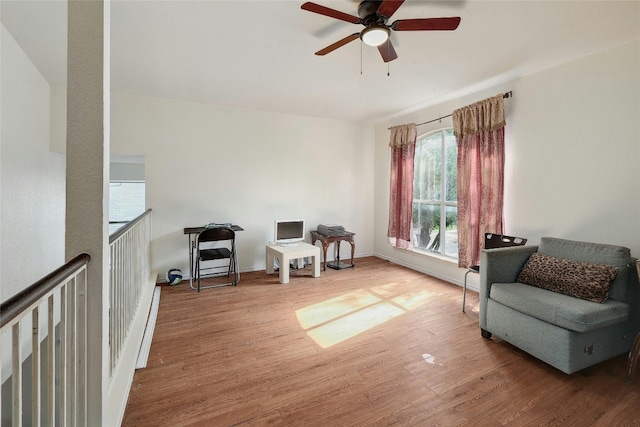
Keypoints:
pixel 368 12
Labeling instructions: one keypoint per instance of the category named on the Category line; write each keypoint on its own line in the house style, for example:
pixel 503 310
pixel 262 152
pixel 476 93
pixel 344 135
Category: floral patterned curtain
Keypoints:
pixel 479 130
pixel 402 143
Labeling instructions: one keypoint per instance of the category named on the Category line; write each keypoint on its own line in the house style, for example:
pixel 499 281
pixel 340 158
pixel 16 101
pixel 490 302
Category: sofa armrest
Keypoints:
pixel 500 265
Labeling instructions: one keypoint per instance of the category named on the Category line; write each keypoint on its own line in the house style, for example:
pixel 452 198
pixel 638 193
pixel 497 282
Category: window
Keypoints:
pixel 126 202
pixel 435 198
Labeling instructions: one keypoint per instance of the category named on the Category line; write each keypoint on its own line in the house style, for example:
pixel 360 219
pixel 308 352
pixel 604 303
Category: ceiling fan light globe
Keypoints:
pixel 374 36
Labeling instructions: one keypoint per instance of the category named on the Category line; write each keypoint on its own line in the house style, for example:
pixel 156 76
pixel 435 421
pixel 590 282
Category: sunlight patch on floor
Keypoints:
pixel 388 289
pixel 326 311
pixel 412 300
pixel 354 324
pixel 338 319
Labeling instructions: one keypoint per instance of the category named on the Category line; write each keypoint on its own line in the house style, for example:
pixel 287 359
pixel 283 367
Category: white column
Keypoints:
pixel 87 198
pixel 1 354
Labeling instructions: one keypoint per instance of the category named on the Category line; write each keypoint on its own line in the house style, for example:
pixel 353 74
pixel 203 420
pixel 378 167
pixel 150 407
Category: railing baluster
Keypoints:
pixel 81 345
pixel 71 353
pixel 35 367
pixel 62 406
pixel 112 298
pixel 51 362
pixel 17 377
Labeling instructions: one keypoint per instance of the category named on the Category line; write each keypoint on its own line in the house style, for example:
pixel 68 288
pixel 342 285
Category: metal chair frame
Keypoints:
pixel 491 241
pixel 214 244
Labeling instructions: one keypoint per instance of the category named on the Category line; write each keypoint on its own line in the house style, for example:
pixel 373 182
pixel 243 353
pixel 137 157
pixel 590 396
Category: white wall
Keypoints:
pixel 32 178
pixel 572 156
pixel 32 185
pixel 208 163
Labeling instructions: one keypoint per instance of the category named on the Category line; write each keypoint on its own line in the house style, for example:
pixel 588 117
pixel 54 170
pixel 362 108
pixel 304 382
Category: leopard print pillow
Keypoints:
pixel 577 279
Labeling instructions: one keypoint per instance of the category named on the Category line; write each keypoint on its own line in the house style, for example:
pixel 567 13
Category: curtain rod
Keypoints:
pixel 505 96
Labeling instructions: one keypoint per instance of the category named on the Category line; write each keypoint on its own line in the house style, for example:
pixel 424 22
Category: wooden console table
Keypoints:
pixel 327 240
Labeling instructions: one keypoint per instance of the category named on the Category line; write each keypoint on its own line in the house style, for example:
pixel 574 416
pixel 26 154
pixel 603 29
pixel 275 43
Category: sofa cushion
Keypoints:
pixel 577 279
pixel 562 310
pixel 595 253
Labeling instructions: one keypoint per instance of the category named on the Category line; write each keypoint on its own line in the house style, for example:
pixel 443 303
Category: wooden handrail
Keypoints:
pixel 19 302
pixel 130 225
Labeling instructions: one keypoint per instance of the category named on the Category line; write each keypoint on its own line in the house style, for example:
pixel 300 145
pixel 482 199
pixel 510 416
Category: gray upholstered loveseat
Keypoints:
pixel 568 332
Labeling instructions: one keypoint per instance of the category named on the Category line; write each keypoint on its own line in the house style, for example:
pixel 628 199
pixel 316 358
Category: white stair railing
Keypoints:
pixel 43 335
pixel 53 312
pixel 131 287
pixel 129 250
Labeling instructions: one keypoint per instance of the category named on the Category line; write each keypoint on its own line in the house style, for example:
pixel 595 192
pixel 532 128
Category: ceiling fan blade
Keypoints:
pixel 387 51
pixel 426 24
pixel 338 44
pixel 332 13
pixel 389 7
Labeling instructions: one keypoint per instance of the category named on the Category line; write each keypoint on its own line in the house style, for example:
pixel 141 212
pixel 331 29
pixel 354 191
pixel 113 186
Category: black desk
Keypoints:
pixel 191 233
pixel 195 230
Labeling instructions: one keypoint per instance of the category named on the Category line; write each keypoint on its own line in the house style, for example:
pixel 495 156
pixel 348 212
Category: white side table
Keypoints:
pixel 287 253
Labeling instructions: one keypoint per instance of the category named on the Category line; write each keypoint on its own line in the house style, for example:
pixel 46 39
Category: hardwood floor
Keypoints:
pixel 377 345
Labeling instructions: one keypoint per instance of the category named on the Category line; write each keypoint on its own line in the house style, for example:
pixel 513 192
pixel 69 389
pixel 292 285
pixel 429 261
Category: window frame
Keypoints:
pixel 116 224
pixel 442 203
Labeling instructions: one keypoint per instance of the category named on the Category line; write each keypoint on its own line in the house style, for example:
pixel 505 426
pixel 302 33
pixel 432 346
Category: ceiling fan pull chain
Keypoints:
pixel 388 56
pixel 360 57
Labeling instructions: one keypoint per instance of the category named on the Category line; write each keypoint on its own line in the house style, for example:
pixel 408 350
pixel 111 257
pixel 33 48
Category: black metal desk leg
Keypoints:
pixel 464 290
pixel 192 260
pixel 190 248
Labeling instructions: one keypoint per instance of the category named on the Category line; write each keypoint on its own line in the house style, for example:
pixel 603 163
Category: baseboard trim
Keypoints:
pixel 145 347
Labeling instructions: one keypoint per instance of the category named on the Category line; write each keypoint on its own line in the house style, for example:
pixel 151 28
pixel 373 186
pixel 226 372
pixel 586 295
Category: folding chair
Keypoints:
pixel 216 256
pixel 491 241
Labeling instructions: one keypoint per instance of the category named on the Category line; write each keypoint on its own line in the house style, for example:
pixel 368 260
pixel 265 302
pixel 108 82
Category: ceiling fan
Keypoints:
pixel 374 14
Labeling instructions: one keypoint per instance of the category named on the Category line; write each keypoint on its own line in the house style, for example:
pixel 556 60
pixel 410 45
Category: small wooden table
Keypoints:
pixel 327 240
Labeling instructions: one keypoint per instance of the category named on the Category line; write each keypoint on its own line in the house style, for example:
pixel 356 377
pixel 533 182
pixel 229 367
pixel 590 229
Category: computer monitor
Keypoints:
pixel 288 232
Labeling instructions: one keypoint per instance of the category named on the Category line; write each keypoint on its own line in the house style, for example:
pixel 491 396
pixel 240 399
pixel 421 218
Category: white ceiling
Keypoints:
pixel 260 53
